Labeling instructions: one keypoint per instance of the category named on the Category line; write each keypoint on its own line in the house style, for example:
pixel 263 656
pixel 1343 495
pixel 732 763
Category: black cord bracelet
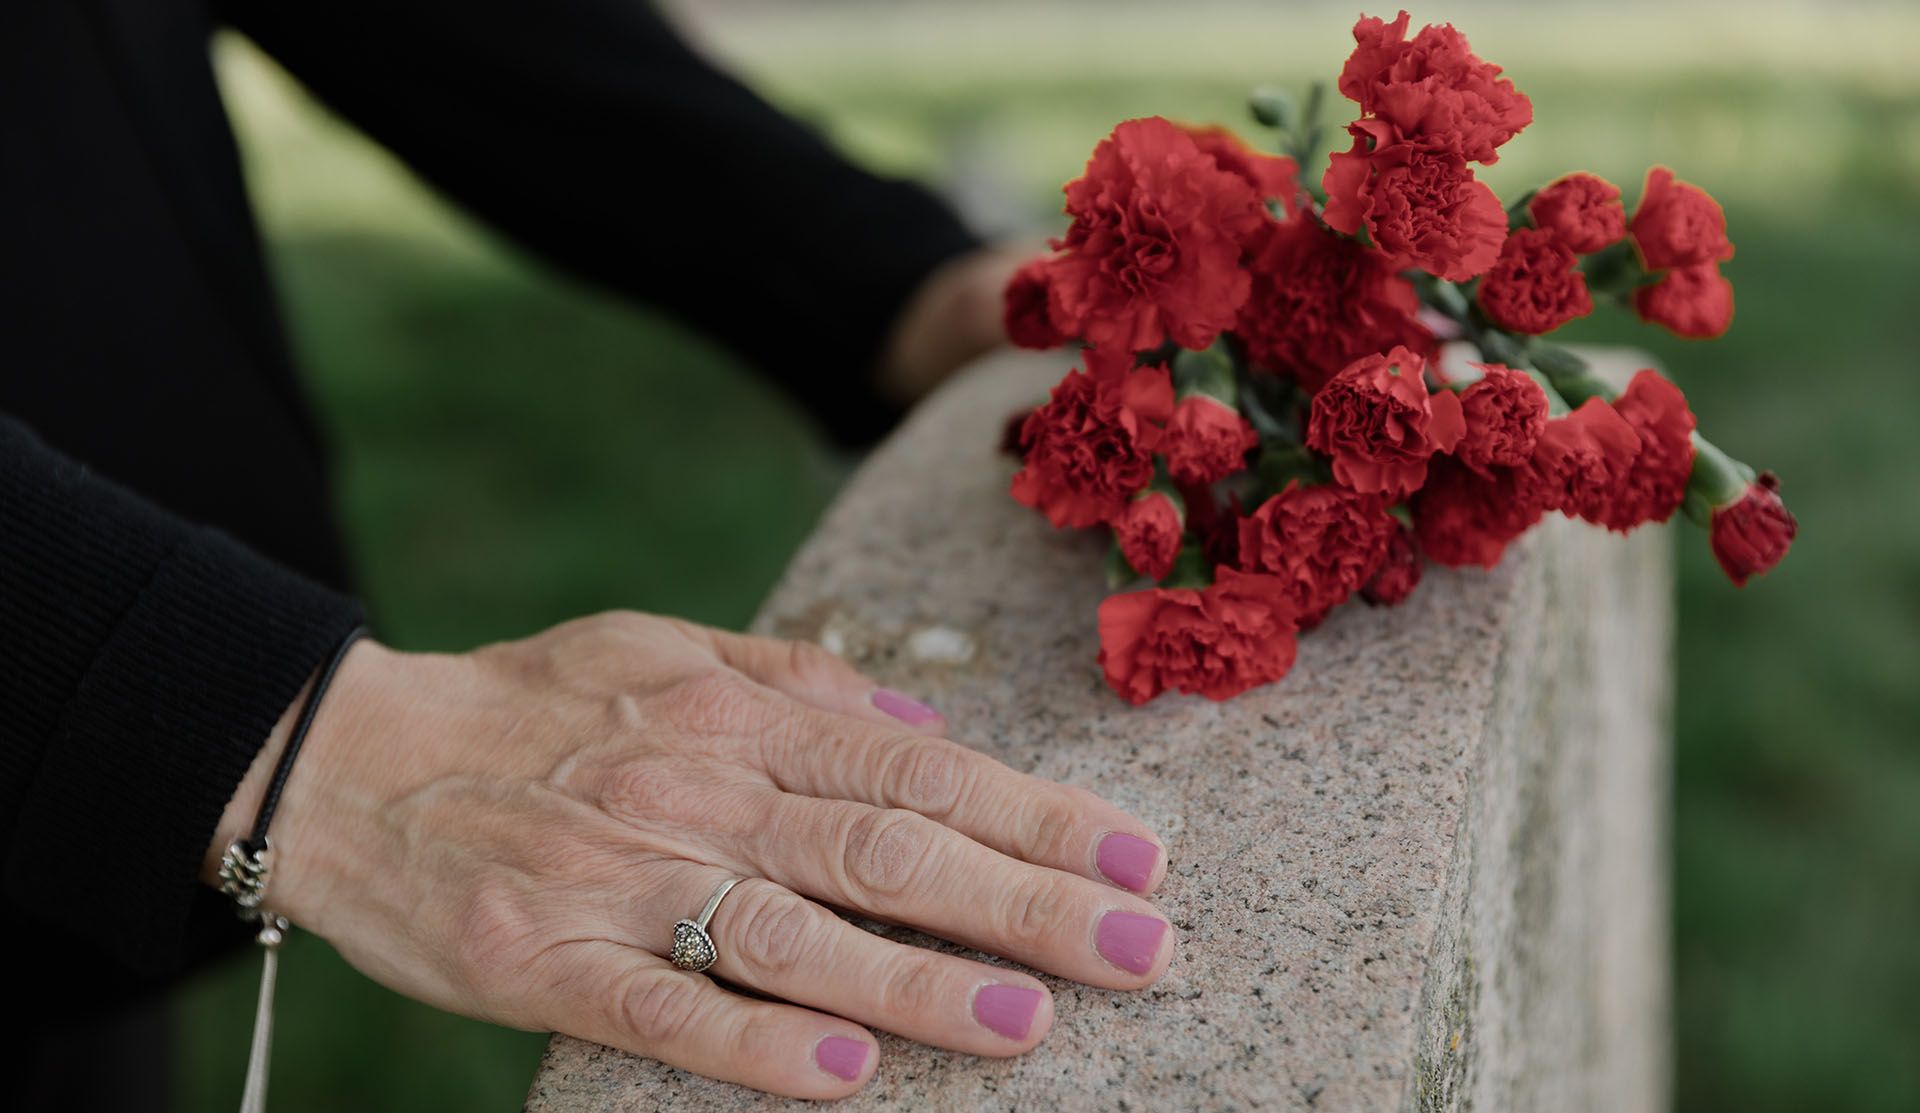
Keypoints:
pixel 245 866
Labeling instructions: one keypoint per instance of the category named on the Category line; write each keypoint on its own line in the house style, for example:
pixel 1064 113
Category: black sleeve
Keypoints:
pixel 590 132
pixel 143 662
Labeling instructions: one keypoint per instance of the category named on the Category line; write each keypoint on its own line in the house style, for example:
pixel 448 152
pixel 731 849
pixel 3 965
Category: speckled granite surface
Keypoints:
pixel 1426 871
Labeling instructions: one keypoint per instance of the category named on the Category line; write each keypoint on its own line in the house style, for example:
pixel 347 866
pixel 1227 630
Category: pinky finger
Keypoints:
pixel 638 1002
pixel 820 679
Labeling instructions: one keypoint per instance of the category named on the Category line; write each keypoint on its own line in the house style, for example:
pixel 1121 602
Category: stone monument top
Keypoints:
pixel 1425 871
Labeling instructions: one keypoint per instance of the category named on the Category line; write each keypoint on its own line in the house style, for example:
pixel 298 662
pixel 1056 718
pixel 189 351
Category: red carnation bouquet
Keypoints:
pixel 1260 418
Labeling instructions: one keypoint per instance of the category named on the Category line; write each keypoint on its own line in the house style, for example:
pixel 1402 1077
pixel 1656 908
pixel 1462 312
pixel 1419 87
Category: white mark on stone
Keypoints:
pixel 833 635
pixel 940 645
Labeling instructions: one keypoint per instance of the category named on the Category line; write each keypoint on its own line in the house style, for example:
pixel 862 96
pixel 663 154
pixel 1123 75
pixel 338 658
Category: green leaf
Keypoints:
pixel 1558 362
pixel 1517 214
pixel 1447 298
pixel 1272 404
pixel 1280 464
pixel 1209 373
pixel 1615 269
pixel 1316 96
pixel 1308 134
pixel 1500 347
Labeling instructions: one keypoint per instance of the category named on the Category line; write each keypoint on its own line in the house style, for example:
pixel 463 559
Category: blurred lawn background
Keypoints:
pixel 516 450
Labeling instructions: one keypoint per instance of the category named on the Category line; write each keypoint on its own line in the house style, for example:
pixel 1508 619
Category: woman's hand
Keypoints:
pixel 952 318
pixel 512 833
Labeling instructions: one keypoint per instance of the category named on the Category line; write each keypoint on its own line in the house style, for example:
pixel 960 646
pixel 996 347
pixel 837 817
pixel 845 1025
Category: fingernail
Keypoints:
pixel 842 1057
pixel 1007 1009
pixel 1129 941
pixel 904 707
pixel 1127 861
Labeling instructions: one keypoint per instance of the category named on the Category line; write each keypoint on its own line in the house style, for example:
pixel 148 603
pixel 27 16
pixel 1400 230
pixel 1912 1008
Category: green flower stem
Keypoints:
pixel 1717 479
pixel 1578 386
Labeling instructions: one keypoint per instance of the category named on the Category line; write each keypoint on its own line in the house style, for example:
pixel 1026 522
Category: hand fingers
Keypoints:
pixel 819 679
pixel 1027 817
pixel 901 866
pixel 630 999
pixel 787 946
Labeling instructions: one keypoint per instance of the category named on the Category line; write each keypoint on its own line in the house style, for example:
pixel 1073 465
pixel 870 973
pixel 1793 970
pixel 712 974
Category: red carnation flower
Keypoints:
pixel 1753 532
pixel 1025 314
pixel 1273 177
pixel 1581 211
pixel 1534 286
pixel 1433 90
pixel 1235 635
pixel 1656 481
pixel 1322 542
pixel 1423 208
pixel 1399 572
pixel 1149 534
pixel 1582 456
pixel 1206 440
pixel 1379 424
pixel 1463 517
pixel 1087 451
pixel 1695 302
pixel 1154 250
pixel 1150 396
pixel 1504 414
pixel 1678 224
pixel 1321 301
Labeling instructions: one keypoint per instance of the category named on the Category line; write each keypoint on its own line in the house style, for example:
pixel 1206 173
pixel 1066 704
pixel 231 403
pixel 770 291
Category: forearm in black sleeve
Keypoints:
pixel 143 663
pixel 588 130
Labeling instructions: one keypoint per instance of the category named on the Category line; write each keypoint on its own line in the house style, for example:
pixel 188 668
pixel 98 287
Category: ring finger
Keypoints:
pixel 771 940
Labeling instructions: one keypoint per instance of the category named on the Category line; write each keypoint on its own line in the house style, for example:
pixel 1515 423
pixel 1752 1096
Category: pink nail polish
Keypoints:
pixel 904 707
pixel 1129 941
pixel 842 1057
pixel 1006 1009
pixel 1127 861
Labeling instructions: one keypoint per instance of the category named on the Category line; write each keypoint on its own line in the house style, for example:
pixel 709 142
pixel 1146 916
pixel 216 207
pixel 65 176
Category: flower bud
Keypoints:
pixel 1207 440
pixel 1399 571
pixel 1273 108
pixel 1149 532
pixel 1752 533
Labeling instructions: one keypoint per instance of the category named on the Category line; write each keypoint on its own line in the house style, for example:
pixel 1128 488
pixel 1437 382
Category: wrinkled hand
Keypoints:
pixel 512 833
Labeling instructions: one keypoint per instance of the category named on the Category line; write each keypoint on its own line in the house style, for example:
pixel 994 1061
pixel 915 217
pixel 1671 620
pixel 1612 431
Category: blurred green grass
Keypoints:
pixel 516 450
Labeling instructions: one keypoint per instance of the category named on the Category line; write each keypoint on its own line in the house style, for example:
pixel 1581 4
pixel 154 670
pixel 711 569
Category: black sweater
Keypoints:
pixel 169 569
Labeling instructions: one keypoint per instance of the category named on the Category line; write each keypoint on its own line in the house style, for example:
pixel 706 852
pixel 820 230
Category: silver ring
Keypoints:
pixel 692 946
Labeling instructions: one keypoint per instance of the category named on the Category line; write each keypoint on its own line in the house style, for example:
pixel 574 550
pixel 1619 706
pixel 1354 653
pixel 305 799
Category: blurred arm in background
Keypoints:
pixel 591 133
